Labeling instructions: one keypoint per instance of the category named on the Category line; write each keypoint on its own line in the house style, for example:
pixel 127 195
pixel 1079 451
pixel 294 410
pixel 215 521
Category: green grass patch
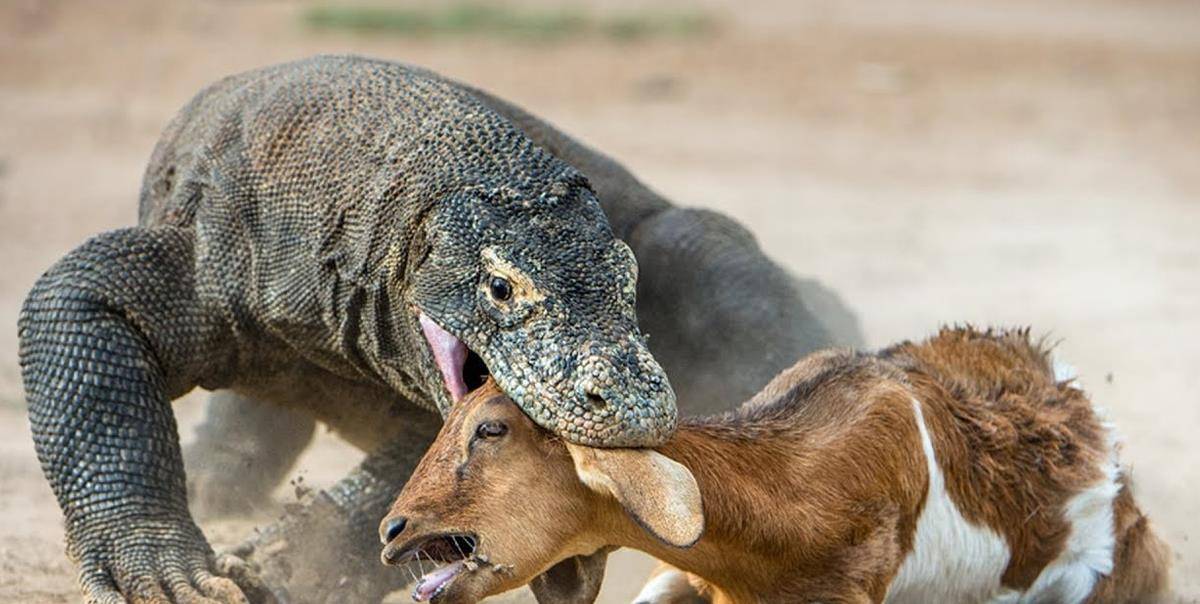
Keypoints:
pixel 494 20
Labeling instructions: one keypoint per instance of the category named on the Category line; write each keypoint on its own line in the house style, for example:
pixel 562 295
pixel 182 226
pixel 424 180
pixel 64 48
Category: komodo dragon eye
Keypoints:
pixel 490 429
pixel 500 288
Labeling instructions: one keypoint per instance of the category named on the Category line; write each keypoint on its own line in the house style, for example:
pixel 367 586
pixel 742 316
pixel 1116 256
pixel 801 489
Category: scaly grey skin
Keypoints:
pixel 296 222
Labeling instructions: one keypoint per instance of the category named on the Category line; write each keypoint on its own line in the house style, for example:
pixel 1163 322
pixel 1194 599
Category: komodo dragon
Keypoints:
pixel 363 242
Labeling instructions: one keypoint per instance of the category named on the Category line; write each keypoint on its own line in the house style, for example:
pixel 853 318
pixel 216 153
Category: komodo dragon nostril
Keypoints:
pixel 596 402
pixel 394 527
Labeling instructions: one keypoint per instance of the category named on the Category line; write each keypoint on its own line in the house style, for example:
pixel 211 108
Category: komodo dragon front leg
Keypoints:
pixel 109 336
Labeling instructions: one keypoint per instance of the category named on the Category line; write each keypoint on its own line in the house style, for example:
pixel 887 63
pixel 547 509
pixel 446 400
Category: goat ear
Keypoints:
pixel 659 493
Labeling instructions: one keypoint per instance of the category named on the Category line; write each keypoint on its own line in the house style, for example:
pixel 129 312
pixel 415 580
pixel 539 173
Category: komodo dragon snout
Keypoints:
pixel 534 289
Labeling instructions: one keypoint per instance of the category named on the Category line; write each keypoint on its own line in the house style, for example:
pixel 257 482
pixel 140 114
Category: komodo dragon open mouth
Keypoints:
pixel 462 369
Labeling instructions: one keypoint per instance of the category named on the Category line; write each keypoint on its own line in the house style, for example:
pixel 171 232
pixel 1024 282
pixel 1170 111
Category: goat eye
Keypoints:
pixel 491 429
pixel 500 288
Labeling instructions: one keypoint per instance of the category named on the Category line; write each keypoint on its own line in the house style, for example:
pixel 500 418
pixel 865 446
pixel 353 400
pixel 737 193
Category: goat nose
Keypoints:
pixel 392 527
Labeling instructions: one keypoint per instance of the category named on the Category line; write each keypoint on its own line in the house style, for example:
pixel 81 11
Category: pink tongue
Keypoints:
pixel 450 354
pixel 431 583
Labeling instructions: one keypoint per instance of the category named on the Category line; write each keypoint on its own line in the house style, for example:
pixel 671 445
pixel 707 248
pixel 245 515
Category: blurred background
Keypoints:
pixel 993 161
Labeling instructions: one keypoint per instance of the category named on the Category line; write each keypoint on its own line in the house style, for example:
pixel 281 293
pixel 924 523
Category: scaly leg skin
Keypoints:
pixel 109 336
pixel 243 450
pixel 326 549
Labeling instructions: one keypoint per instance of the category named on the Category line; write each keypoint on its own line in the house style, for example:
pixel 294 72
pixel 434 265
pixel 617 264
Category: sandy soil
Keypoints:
pixel 984 161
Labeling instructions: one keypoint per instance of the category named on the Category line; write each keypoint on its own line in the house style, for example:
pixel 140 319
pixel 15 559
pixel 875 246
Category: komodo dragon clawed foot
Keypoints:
pixel 145 561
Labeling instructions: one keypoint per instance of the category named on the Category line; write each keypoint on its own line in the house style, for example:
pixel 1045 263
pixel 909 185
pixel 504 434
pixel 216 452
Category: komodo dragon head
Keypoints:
pixel 537 292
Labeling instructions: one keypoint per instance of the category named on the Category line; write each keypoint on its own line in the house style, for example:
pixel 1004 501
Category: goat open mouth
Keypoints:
pixel 462 370
pixel 446 555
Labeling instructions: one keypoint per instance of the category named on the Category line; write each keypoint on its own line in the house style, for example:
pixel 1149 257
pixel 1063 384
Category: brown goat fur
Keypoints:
pixel 820 488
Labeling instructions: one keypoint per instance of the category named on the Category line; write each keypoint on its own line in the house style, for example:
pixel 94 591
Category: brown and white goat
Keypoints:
pixel 959 469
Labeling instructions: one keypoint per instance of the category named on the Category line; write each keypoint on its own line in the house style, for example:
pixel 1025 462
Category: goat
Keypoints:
pixel 959 469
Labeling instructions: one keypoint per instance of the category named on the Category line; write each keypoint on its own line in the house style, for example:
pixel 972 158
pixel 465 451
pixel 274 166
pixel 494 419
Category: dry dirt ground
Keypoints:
pixel 996 162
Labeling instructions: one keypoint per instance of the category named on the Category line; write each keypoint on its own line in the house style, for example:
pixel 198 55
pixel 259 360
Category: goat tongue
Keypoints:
pixel 432 584
pixel 449 352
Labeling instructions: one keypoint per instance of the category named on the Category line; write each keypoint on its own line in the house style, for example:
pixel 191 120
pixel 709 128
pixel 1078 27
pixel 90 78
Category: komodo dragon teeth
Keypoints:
pixel 294 223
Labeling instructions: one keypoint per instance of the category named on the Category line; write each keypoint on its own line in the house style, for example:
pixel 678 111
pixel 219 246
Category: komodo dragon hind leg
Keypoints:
pixel 326 548
pixel 242 451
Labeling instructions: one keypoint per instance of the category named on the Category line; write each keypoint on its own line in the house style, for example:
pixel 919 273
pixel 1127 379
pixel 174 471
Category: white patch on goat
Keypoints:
pixel 1088 552
pixel 952 560
pixel 663 586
